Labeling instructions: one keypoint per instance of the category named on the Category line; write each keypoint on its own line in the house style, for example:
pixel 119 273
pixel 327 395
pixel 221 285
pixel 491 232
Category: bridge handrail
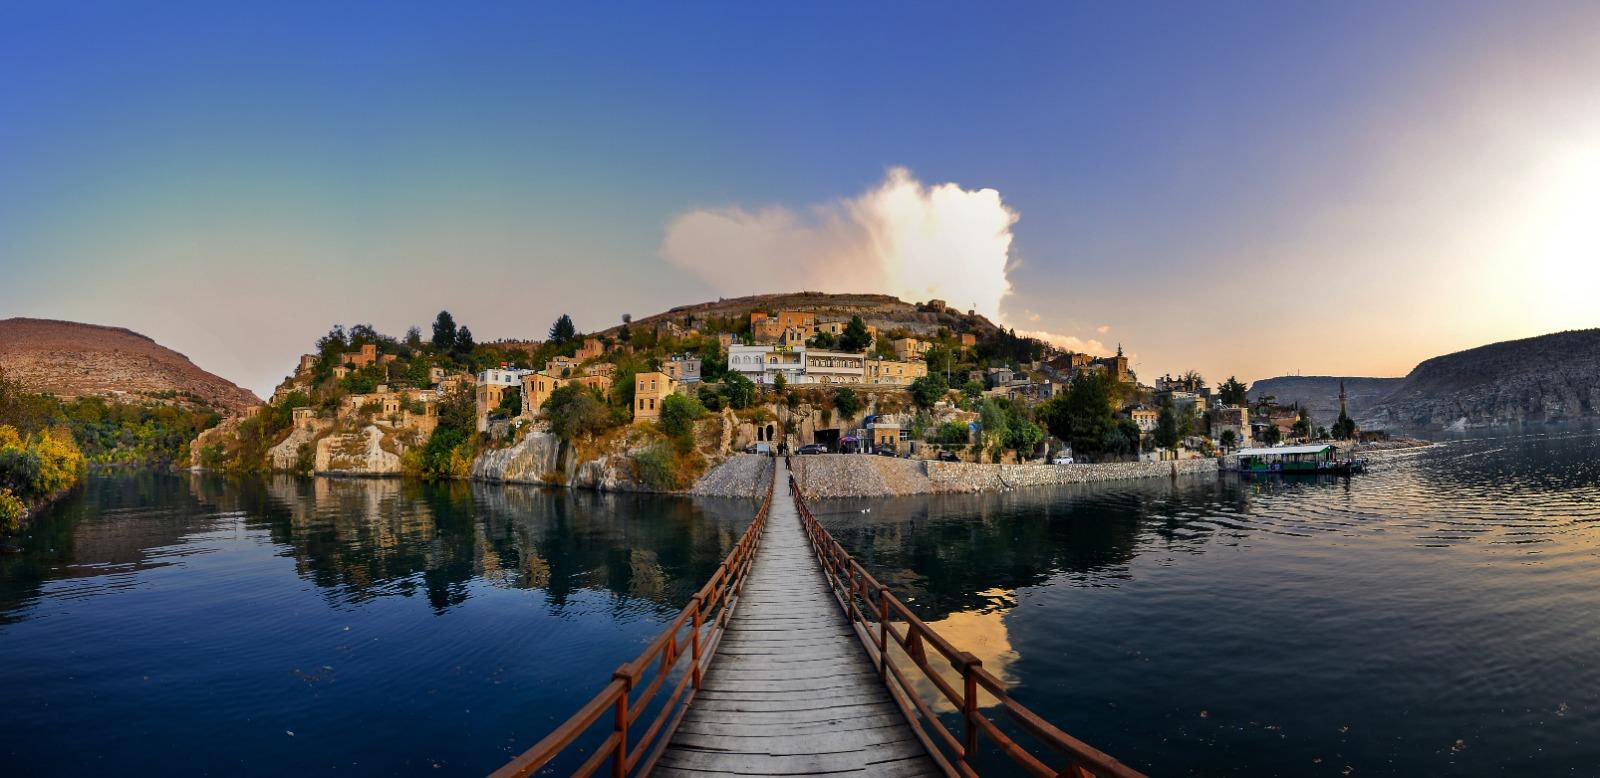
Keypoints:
pixel 716 599
pixel 859 592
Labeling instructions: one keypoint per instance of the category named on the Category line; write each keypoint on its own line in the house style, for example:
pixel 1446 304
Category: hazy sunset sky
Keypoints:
pixel 1250 189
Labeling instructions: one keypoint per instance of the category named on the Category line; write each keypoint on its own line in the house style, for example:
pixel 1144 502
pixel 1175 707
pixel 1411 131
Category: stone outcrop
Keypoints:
pixel 218 436
pixel 369 450
pixel 286 454
pixel 536 459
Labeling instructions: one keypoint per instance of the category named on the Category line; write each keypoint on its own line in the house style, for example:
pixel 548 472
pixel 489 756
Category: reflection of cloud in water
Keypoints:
pixel 981 633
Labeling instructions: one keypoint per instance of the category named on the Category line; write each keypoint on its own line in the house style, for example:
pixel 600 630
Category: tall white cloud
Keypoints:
pixel 902 237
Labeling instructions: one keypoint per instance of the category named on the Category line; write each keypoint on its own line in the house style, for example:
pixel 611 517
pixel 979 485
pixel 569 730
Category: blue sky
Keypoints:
pixel 232 180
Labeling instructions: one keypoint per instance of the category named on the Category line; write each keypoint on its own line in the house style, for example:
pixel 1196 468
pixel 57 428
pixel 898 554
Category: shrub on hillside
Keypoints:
pixel 12 511
pixel 678 414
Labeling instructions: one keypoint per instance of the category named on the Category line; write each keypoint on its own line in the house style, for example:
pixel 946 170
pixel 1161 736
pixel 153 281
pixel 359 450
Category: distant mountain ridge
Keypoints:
pixel 1545 378
pixel 1320 394
pixel 70 359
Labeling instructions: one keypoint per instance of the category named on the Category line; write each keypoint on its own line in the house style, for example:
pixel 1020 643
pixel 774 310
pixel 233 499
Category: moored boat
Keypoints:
pixel 1309 459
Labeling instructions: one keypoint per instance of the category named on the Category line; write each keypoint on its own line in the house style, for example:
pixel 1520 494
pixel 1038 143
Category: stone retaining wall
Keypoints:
pixel 850 475
pixel 972 477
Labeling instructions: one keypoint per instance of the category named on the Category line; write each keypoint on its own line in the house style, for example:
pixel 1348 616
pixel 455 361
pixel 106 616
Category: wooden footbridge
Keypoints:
pixel 793 660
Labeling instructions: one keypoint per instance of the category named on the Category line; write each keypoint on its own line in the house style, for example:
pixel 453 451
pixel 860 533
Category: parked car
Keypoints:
pixel 887 452
pixel 812 448
pixel 948 456
pixel 1062 459
pixel 758 448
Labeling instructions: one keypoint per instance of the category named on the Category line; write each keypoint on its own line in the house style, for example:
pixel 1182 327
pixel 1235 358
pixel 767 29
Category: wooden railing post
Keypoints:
pixel 619 763
pixel 883 632
pixel 969 665
pixel 694 642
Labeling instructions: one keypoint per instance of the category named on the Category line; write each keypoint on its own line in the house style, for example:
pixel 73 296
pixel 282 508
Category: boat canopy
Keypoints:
pixel 1315 448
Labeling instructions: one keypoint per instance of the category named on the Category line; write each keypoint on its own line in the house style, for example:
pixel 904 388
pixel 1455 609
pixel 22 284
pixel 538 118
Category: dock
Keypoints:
pixel 791 691
pixel 794 660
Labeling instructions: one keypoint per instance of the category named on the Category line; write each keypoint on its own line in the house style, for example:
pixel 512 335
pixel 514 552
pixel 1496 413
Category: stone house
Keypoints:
pixel 684 368
pixel 906 349
pixel 1146 418
pixel 650 390
pixel 491 386
pixel 893 372
pixel 592 348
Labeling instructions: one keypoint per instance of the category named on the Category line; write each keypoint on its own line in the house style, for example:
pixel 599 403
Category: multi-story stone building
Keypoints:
pixel 832 367
pixel 763 363
pixel 650 389
pixel 893 372
pixel 491 387
pixel 1146 418
pixel 910 348
pixel 684 368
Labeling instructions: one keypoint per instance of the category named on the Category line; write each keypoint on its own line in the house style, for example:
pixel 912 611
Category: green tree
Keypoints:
pixel 846 402
pixel 511 404
pixel 951 433
pixel 414 337
pixel 927 390
pixel 464 345
pixel 444 332
pixel 563 330
pixel 1167 432
pixel 780 385
pixel 741 391
pixel 678 414
pixel 1345 427
pixel 1228 438
pixel 972 390
pixel 1302 424
pixel 1272 436
pixel 821 340
pixel 855 336
pixel 1082 417
pixel 1023 436
pixel 1232 392
pixel 574 411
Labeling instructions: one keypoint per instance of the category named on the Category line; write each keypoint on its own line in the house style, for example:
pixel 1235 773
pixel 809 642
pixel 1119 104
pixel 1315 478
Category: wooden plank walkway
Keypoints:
pixel 790 690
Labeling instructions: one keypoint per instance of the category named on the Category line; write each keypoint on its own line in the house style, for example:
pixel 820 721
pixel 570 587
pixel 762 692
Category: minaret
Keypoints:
pixel 1342 412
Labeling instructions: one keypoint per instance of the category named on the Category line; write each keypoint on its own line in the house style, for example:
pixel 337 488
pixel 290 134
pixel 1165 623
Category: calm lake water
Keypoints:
pixel 1436 616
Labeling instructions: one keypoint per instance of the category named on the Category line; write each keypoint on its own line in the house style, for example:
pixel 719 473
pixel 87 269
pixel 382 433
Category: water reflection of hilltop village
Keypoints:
pixel 357 539
pixel 362 538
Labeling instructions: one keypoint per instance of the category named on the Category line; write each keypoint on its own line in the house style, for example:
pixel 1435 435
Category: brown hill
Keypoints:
pixel 879 310
pixel 68 359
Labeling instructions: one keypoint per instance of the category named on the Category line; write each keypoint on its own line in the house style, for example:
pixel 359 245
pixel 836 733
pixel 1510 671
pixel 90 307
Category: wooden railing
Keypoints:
pixel 705 617
pixel 873 612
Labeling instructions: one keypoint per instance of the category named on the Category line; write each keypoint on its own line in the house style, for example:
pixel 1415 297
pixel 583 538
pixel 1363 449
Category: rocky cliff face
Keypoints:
pixel 68 359
pixel 1548 378
pixel 370 450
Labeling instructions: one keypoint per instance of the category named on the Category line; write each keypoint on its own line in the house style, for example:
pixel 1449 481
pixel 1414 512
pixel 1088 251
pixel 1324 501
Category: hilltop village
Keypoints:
pixel 653 404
